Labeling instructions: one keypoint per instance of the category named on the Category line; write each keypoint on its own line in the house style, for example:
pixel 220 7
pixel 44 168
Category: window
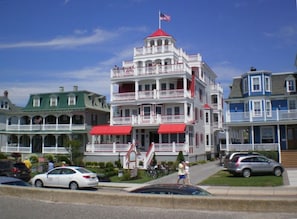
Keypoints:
pixel 169 111
pixel 206 118
pixel 207 139
pixel 36 102
pixel 127 112
pixel 292 104
pixel 146 110
pixel 176 110
pixel 245 85
pixel 268 108
pixel 267 83
pixel 256 85
pixel 158 110
pixel 71 100
pixel 291 86
pixel 53 101
pixel 267 135
pixel 257 108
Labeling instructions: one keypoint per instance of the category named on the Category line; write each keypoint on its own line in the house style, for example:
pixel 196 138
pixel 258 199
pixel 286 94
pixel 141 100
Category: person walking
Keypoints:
pixel 28 163
pixel 187 172
pixel 181 172
pixel 50 165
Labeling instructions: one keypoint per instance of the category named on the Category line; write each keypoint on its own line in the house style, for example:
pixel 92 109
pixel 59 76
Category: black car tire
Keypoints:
pixel 246 173
pixel 38 183
pixel 73 186
pixel 277 171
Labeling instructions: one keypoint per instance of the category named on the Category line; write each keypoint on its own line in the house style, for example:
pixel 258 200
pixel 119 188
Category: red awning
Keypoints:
pixel 171 128
pixel 110 130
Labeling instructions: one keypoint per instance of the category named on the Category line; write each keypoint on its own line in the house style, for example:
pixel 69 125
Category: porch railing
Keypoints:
pixel 274 115
pixel 250 147
pixel 116 147
pixel 151 119
pixel 45 127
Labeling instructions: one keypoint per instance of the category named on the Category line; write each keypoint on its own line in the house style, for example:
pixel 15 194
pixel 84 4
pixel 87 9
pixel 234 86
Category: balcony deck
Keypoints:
pixel 131 71
pixel 288 116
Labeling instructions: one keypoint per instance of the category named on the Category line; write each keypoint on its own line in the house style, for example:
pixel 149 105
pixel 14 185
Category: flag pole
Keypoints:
pixel 160 19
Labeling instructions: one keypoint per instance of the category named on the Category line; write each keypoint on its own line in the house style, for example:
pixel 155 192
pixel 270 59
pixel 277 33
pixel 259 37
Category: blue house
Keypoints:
pixel 262 114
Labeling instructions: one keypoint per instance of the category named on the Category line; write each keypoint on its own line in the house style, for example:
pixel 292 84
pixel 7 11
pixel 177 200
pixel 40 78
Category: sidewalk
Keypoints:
pixel 198 173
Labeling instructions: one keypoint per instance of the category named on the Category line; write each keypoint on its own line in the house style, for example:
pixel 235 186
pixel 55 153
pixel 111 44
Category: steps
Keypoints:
pixel 289 158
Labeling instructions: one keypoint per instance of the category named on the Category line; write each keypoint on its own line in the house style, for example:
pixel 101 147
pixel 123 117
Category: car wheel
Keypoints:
pixel 38 183
pixel 246 173
pixel 73 186
pixel 277 171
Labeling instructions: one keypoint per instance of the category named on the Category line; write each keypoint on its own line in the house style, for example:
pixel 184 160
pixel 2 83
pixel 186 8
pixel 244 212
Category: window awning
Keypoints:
pixel 171 128
pixel 110 130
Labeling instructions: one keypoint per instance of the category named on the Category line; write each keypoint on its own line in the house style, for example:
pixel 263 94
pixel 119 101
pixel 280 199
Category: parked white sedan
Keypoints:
pixel 71 177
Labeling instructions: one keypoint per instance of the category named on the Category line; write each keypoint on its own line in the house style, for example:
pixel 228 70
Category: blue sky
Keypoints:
pixel 51 43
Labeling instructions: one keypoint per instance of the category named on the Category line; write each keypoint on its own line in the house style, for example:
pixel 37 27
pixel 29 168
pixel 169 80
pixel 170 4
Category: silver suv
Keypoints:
pixel 254 164
pixel 231 156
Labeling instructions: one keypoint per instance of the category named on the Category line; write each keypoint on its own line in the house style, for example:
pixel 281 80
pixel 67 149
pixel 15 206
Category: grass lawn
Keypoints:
pixel 224 178
pixel 142 178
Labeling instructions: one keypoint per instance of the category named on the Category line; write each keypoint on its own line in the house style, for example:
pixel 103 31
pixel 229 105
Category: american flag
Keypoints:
pixel 164 17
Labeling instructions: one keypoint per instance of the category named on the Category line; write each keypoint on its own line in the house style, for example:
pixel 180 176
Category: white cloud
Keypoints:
pixel 287 34
pixel 78 39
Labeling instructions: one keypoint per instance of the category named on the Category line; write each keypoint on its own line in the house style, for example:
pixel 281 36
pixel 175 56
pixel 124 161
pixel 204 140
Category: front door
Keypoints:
pixel 292 137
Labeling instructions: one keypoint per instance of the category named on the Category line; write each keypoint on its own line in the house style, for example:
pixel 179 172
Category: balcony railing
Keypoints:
pixel 274 115
pixel 151 94
pixel 250 147
pixel 116 147
pixel 45 127
pixel 180 68
pixel 151 119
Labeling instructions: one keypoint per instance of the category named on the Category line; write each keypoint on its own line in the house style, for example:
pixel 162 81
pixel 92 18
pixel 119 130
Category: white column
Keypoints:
pixel 158 88
pixel 253 136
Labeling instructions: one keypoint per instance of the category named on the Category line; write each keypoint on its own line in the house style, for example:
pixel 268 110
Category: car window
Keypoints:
pixel 67 171
pixel 54 172
pixel 247 160
pixel 262 159
pixel 83 170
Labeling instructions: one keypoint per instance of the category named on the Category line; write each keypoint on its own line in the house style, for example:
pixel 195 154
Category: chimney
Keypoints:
pixel 75 88
pixel 6 93
pixel 61 89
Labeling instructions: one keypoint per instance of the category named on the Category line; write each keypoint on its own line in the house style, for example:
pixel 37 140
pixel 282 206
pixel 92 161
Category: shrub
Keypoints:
pixel 34 158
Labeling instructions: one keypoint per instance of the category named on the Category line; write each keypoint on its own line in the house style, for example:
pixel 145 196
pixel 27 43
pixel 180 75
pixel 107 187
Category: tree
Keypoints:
pixel 76 155
pixel 180 157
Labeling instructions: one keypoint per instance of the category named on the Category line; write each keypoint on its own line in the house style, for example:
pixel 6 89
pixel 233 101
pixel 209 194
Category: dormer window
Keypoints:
pixel 4 105
pixel 291 86
pixel 245 85
pixel 71 100
pixel 267 83
pixel 256 85
pixel 36 102
pixel 53 101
